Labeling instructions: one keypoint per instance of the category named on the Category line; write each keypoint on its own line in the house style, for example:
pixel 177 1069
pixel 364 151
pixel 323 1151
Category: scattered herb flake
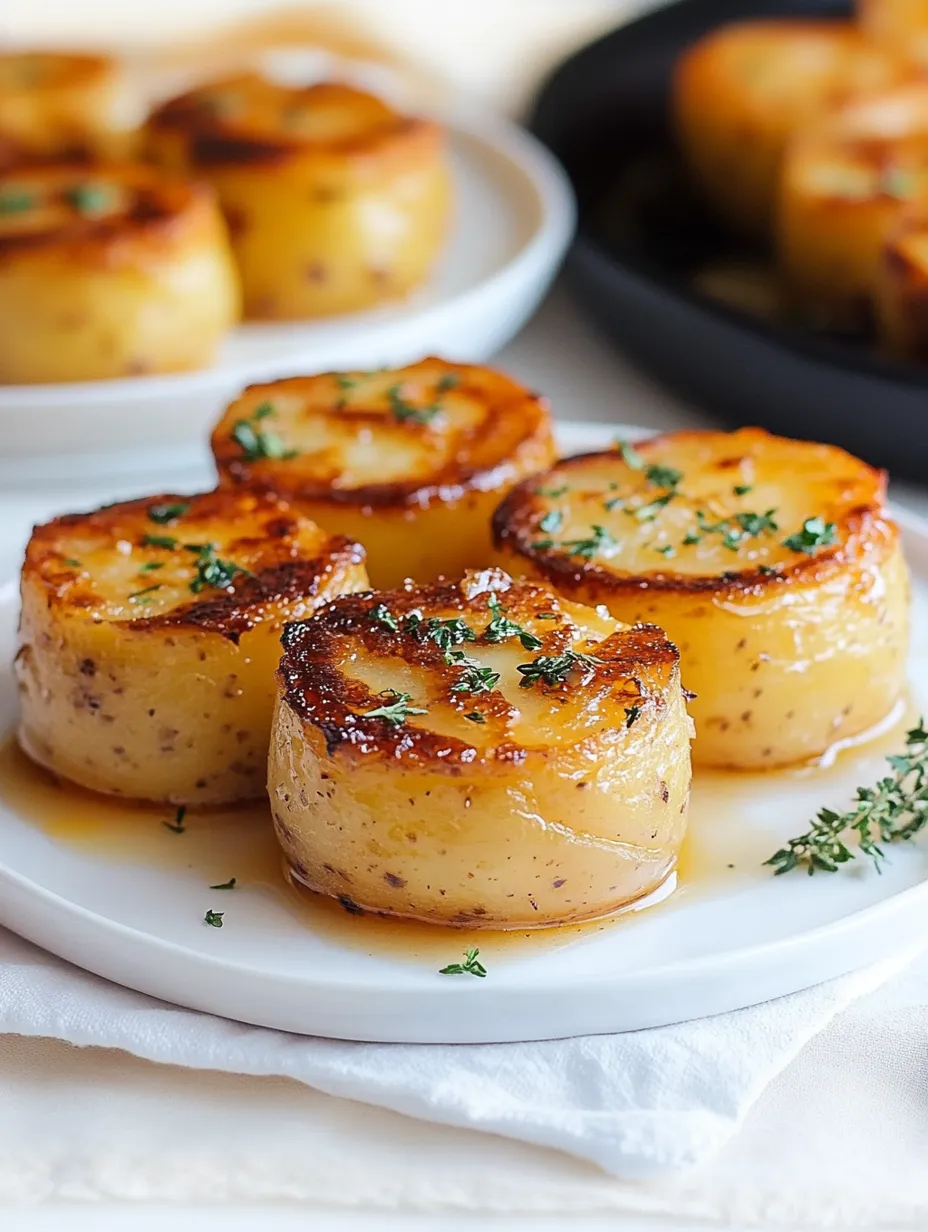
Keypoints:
pixel 631 714
pixel 394 712
pixel 444 633
pixel 554 669
pixel 211 570
pixel 405 412
pixel 16 201
pixel 592 545
pixel 449 381
pixel 177 825
pixel 663 476
pixel 136 595
pixel 742 489
pixel 213 918
pixel 151 565
pixel 72 563
pixel 816 533
pixel 552 493
pixel 470 966
pixel 476 679
pixel 630 455
pixel 256 442
pixel 162 514
pixel 381 615
pixel 667 550
pixel 551 522
pixel 158 541
pixel 501 628
pixel 225 885
pixel 475 717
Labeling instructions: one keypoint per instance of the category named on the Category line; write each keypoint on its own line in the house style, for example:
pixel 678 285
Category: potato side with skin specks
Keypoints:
pixel 470 799
pixel 150 634
pixel 846 184
pixel 55 105
pixel 788 648
pixel 109 271
pixel 743 90
pixel 335 201
pixel 411 461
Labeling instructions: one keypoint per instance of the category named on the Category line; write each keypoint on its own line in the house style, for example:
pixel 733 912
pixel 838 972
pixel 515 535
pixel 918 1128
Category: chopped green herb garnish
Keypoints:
pixel 151 565
pixel 501 628
pixel 211 570
pixel 554 669
pixel 667 550
pixel 552 493
pixel 381 615
pixel 470 966
pixel 551 522
pixel 158 541
pixel 404 411
pixel 475 717
pixel 394 712
pixel 448 381
pixel 894 810
pixel 214 918
pixel 444 633
pixel 591 546
pixel 631 714
pixel 90 198
pixel 648 512
pixel 735 529
pixel 742 489
pixel 177 825
pixel 162 514
pixel 147 590
pixel 74 564
pixel 663 476
pixel 816 533
pixel 476 679
pixel 256 442
pixel 630 455
pixel 16 201
pixel 691 537
pixel 225 885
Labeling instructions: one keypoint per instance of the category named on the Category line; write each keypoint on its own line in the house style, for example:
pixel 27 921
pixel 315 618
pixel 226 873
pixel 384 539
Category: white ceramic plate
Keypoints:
pixel 513 219
pixel 131 908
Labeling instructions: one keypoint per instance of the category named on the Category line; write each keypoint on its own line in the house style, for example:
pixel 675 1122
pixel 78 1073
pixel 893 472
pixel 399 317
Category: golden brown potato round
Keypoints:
pixel 771 564
pixel 410 461
pixel 150 636
pixel 109 272
pixel 902 287
pixel 334 200
pixel 479 753
pixel 63 106
pixel 741 92
pixel 845 185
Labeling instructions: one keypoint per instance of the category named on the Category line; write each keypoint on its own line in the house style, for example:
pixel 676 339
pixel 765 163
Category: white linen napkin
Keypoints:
pixel 638 1104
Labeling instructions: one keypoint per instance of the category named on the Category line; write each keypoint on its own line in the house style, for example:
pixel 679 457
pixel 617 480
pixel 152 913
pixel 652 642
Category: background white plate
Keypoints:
pixel 513 219
pixel 732 936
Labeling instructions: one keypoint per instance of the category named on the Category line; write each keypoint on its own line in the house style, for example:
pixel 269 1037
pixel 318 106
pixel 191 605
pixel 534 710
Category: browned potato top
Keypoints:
pixel 249 119
pixel 404 436
pixel 698 511
pixel 105 211
pixel 480 671
pixel 216 561
pixel 24 72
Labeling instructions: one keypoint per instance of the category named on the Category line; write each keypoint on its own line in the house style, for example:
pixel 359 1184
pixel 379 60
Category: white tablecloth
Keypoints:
pixel 841 1137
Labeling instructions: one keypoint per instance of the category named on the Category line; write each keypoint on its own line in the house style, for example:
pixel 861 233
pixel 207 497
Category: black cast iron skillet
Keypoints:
pixel 604 113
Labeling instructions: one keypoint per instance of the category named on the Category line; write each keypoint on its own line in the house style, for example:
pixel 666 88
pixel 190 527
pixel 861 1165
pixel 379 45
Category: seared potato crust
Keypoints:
pixel 60 106
pixel 412 461
pixel 478 753
pixel 901 296
pixel 771 564
pixel 845 186
pixel 335 201
pixel 108 272
pixel 150 635
pixel 742 91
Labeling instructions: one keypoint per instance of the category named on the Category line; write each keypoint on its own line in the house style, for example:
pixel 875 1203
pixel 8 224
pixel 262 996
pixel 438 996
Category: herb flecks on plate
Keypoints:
pixel 894 810
pixel 177 825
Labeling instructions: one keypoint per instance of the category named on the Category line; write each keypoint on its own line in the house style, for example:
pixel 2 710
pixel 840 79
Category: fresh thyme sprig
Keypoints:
pixel 470 966
pixel 444 633
pixel 177 825
pixel 894 810
pixel 476 679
